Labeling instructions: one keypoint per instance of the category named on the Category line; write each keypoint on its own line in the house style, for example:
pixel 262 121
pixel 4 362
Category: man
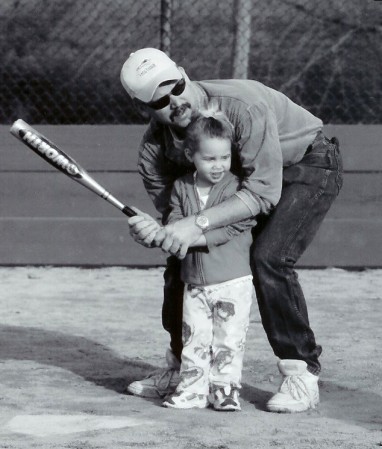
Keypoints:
pixel 291 174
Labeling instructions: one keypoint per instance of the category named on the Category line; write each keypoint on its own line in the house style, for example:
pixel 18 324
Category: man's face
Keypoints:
pixel 180 108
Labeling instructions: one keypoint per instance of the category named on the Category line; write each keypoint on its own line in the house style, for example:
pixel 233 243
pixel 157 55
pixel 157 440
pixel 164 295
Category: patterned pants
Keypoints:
pixel 215 323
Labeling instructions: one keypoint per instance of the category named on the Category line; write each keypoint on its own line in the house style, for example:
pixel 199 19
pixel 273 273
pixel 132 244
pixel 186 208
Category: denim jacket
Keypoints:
pixel 226 256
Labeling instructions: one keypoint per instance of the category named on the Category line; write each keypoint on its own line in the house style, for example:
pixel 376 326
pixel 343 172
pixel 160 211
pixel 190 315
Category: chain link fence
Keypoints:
pixel 61 59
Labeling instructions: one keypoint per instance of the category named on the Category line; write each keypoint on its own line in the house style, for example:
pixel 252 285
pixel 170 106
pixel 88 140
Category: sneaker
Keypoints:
pixel 225 399
pixel 186 400
pixel 159 383
pixel 298 391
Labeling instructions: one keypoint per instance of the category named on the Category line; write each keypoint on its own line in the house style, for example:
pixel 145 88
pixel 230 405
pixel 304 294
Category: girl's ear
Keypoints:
pixel 188 154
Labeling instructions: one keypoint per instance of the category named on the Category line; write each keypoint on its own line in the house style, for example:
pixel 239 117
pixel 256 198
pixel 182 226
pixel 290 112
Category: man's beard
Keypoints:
pixel 180 111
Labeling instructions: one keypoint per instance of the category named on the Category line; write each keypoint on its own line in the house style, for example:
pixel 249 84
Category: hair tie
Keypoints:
pixel 212 111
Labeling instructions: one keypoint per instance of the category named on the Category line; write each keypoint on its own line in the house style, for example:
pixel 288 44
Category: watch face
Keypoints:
pixel 202 221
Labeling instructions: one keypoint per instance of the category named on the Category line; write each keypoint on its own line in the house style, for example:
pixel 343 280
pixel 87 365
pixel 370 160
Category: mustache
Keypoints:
pixel 182 108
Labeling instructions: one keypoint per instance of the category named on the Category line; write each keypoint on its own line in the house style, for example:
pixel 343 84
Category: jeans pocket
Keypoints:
pixel 316 159
pixel 339 180
pixel 337 162
pixel 324 154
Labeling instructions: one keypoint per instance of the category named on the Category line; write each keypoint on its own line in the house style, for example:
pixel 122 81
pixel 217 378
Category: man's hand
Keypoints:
pixel 143 228
pixel 177 237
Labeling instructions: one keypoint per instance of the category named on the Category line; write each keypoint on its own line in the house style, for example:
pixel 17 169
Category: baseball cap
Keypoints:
pixel 144 70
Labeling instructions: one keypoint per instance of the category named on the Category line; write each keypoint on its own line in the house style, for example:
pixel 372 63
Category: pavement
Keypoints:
pixel 72 339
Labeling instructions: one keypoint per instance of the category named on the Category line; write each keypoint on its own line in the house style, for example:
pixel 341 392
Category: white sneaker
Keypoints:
pixel 159 383
pixel 186 400
pixel 298 391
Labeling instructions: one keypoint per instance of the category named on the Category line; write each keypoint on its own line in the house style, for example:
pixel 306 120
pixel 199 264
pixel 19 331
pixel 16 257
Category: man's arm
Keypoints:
pixel 177 237
pixel 230 211
pixel 158 175
pixel 157 172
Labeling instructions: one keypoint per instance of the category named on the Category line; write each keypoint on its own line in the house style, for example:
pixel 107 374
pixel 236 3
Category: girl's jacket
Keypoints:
pixel 226 256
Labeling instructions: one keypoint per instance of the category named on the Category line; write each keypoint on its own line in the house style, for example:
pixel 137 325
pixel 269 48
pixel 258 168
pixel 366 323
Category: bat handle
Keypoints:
pixel 128 211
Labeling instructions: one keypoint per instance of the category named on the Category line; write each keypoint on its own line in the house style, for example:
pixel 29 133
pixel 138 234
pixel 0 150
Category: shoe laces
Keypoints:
pixel 232 391
pixel 297 388
pixel 164 375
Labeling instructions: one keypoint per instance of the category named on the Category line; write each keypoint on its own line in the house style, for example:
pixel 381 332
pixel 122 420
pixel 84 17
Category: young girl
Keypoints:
pixel 216 271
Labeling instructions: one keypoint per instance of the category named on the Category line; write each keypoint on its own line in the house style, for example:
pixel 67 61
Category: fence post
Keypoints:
pixel 242 38
pixel 165 26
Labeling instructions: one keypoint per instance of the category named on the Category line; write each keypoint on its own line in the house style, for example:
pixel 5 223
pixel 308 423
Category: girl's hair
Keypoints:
pixel 208 123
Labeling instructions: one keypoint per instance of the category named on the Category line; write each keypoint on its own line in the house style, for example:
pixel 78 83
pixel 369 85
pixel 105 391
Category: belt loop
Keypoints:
pixel 316 139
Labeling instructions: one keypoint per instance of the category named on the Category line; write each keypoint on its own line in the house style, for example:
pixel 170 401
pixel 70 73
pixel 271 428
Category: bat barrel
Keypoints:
pixel 63 162
pixel 46 149
pixel 17 126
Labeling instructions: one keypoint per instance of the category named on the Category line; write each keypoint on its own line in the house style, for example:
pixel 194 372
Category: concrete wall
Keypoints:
pixel 46 218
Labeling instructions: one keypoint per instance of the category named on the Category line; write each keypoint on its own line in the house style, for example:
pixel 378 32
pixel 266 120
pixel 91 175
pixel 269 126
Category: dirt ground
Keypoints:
pixel 72 339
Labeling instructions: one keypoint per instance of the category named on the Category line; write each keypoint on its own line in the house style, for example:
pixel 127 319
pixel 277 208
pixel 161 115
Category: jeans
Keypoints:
pixel 280 238
pixel 172 310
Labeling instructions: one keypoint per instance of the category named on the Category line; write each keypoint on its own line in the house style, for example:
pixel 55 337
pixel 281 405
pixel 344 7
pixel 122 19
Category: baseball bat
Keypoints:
pixel 63 162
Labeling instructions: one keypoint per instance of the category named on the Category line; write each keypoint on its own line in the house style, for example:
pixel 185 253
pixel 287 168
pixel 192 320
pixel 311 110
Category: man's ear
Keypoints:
pixel 183 72
pixel 188 154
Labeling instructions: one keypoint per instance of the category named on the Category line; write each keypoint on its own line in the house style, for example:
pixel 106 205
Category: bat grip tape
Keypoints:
pixel 128 211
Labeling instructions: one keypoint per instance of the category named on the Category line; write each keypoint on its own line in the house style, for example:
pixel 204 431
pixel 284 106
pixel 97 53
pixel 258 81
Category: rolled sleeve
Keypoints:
pixel 252 203
pixel 261 158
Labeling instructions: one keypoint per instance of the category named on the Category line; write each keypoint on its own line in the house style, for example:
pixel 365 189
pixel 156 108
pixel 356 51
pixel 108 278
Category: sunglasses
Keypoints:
pixel 178 89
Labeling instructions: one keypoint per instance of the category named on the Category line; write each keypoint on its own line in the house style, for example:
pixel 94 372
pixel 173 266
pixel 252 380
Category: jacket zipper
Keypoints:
pixel 198 255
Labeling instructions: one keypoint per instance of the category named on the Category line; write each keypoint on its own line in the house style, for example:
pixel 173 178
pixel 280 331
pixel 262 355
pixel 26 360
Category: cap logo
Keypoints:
pixel 145 66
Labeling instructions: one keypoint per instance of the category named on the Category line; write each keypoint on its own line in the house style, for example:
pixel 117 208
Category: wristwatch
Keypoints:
pixel 202 222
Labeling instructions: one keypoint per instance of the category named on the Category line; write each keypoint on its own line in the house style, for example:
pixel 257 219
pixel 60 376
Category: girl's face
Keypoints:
pixel 212 160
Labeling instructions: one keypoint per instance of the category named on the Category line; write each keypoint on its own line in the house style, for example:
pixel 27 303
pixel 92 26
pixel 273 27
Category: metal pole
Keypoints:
pixel 242 38
pixel 165 26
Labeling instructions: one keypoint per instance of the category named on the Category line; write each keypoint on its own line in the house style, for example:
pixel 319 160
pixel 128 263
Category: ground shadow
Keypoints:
pixel 352 405
pixel 100 365
pixel 91 360
pixel 255 396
